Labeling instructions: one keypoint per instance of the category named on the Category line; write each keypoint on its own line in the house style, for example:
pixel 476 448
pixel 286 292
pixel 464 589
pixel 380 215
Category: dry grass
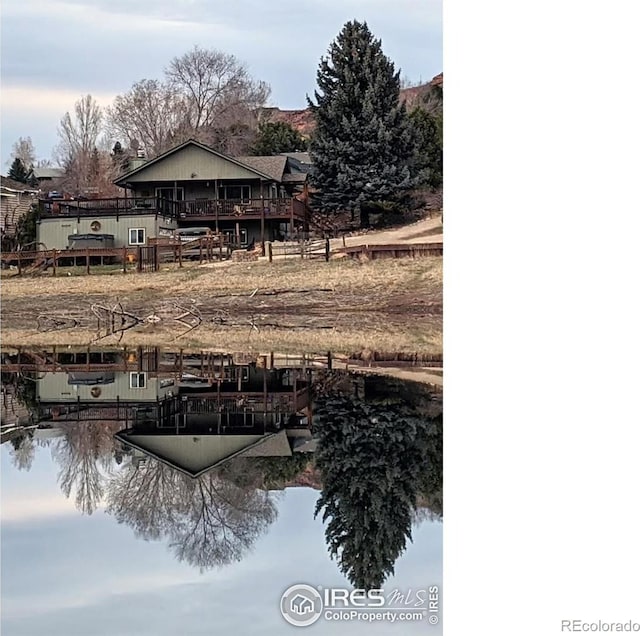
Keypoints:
pixel 342 275
pixel 390 305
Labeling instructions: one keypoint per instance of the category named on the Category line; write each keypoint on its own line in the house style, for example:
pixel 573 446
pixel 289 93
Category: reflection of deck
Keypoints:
pixel 223 409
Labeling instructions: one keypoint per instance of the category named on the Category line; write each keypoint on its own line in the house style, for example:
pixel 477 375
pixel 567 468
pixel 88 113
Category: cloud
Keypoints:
pixel 35 508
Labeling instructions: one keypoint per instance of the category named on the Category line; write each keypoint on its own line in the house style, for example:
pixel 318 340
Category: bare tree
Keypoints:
pixel 24 150
pixel 151 113
pixel 78 138
pixel 220 94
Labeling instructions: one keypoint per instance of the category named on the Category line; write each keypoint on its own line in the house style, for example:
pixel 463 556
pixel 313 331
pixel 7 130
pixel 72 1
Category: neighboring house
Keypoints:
pixel 15 200
pixel 45 176
pixel 250 199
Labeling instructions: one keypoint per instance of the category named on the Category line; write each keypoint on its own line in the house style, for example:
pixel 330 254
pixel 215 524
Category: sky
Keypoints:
pixel 65 574
pixel 55 51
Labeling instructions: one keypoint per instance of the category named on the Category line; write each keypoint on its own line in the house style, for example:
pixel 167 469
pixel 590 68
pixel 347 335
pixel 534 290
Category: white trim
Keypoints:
pixel 138 375
pixel 144 235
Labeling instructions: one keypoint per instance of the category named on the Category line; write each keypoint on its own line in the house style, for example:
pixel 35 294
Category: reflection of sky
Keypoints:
pixel 68 574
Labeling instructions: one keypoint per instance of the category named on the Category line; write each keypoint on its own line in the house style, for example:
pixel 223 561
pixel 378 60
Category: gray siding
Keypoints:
pixel 54 232
pixel 205 189
pixel 192 161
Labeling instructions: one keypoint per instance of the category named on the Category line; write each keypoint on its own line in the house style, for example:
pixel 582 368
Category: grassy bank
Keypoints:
pixel 288 305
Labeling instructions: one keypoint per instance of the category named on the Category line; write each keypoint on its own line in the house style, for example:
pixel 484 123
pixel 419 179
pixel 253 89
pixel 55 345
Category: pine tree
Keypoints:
pixel 18 171
pixel 428 148
pixel 362 146
pixel 276 137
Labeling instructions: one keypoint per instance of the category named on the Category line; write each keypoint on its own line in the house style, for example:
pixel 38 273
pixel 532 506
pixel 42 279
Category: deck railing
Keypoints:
pixel 211 208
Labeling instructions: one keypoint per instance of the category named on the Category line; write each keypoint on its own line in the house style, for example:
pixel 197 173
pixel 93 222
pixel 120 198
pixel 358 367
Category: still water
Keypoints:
pixel 161 492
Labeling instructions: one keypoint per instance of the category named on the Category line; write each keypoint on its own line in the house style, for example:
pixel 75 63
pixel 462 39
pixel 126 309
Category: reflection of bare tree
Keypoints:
pixel 208 521
pixel 147 498
pixel 221 523
pixel 84 455
pixel 23 451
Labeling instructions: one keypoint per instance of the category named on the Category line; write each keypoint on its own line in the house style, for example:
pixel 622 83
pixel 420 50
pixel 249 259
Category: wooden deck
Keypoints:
pixel 196 210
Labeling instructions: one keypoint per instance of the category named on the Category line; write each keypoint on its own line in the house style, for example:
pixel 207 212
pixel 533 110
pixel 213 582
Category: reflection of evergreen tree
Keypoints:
pixel 375 459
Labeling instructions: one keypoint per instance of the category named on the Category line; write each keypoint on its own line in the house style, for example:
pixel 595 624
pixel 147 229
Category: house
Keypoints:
pixel 15 200
pixel 45 176
pixel 249 199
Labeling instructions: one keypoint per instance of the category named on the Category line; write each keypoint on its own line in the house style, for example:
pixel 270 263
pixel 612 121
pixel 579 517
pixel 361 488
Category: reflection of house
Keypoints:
pixel 197 454
pixel 250 199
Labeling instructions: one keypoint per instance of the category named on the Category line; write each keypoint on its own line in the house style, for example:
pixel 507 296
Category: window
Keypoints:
pixel 137 236
pixel 170 194
pixel 137 380
pixel 230 235
pixel 239 192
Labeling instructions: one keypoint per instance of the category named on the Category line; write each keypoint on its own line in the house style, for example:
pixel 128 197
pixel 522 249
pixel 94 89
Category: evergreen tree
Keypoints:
pixel 362 146
pixel 18 171
pixel 276 137
pixel 428 148
pixel 27 225
pixel 372 459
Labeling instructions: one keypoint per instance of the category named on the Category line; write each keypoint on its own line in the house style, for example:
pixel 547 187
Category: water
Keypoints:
pixel 161 492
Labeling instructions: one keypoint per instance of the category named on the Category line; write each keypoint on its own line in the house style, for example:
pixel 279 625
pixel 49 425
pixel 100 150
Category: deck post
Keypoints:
pixel 124 260
pixel 19 264
pixel 262 228
pixel 54 262
pixel 292 223
pixel 180 254
pixel 200 246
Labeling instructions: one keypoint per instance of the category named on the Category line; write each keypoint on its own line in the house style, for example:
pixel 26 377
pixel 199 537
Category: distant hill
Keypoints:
pixel 302 120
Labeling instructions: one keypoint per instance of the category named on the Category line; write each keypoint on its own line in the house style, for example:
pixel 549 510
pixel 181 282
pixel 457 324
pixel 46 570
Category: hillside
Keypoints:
pixel 302 120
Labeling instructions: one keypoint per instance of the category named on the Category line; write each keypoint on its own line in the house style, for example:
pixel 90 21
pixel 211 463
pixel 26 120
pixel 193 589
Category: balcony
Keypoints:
pixel 199 209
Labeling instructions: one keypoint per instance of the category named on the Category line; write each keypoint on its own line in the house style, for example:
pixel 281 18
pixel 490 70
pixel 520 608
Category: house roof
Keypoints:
pixel 302 157
pixel 273 166
pixel 195 455
pixel 294 177
pixel 12 185
pixel 192 142
pixel 48 173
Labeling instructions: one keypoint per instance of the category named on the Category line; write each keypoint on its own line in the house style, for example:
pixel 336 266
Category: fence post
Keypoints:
pixel 124 260
pixel 139 259
pixel 54 262
pixel 156 262
pixel 19 265
pixel 270 251
pixel 200 244
pixel 87 257
pixel 327 250
pixel 180 254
